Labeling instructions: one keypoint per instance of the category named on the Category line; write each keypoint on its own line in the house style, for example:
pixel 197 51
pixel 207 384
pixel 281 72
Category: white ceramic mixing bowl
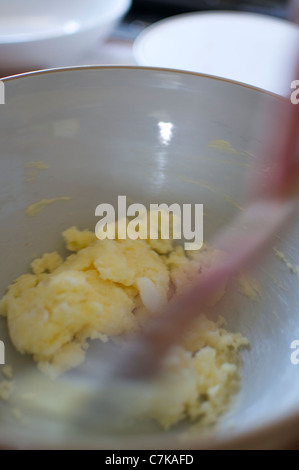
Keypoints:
pixel 99 131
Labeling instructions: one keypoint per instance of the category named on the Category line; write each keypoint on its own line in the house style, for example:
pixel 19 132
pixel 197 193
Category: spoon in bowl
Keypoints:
pixel 273 201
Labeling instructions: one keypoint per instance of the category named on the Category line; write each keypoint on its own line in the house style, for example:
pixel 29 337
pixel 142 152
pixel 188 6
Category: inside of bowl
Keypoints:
pixel 100 132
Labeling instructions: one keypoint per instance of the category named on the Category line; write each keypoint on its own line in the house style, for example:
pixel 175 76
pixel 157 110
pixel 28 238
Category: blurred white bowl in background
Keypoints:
pixel 247 47
pixel 39 34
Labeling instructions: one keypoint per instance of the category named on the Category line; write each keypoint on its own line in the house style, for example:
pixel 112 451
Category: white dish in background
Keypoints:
pixel 41 34
pixel 246 47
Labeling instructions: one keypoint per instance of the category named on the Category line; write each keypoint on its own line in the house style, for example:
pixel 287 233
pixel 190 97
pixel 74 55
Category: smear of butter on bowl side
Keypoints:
pixel 35 168
pixel 37 207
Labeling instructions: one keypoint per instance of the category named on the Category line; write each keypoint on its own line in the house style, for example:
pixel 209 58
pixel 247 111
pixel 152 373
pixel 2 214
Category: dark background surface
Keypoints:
pixel 151 10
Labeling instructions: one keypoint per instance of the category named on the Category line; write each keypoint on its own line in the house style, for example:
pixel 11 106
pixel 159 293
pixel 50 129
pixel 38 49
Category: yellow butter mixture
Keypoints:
pixel 107 290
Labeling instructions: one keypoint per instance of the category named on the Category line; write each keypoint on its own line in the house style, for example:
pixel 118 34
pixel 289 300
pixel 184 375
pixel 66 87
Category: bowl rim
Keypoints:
pixel 141 68
pixel 235 439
